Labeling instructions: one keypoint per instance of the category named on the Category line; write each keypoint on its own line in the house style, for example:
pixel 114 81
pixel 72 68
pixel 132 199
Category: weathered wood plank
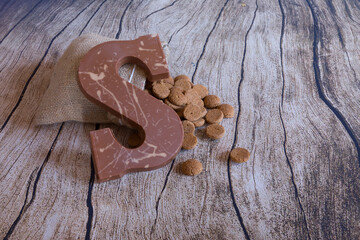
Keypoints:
pixel 263 188
pixel 25 148
pixel 319 148
pixel 21 62
pixel 337 58
pixel 13 13
pixel 336 84
pixel 52 212
pixel 290 69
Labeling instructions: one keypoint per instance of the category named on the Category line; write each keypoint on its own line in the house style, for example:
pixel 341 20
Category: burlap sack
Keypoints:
pixel 63 100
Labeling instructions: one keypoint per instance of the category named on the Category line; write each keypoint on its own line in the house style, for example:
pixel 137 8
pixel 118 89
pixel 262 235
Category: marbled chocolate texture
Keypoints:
pixel 158 124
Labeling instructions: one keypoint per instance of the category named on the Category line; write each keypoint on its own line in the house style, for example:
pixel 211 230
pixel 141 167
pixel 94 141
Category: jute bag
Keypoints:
pixel 63 100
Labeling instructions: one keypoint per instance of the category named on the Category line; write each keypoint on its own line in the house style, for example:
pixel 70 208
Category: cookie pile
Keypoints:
pixel 195 107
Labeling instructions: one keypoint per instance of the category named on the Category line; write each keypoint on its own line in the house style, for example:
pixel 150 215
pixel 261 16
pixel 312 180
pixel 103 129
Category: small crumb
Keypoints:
pixel 239 155
pixel 191 167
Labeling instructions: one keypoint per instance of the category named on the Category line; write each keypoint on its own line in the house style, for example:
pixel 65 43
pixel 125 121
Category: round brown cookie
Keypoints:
pixel 190 141
pixel 188 126
pixel 201 90
pixel 239 155
pixel 177 96
pixel 160 90
pixel 227 110
pixel 192 94
pixel 215 131
pixel 165 82
pixel 183 83
pixel 192 112
pixel 168 85
pixel 197 102
pixel 134 140
pixel 191 167
pixel 199 123
pixel 212 101
pixel 214 116
pixel 169 80
pixel 173 106
pixel 182 77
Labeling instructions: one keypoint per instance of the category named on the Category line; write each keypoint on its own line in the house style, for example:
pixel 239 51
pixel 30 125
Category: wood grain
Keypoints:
pixel 330 145
pixel 291 70
pixel 23 145
pixel 12 13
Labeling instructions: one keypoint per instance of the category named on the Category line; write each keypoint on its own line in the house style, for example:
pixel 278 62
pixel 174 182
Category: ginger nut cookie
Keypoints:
pixel 212 101
pixel 190 141
pixel 168 80
pixel 183 83
pixel 227 110
pixel 177 96
pixel 192 112
pixel 188 126
pixel 191 167
pixel 199 123
pixel 192 94
pixel 203 112
pixel 197 102
pixel 215 131
pixel 182 77
pixel 239 155
pixel 214 116
pixel 173 106
pixel 201 90
pixel 160 90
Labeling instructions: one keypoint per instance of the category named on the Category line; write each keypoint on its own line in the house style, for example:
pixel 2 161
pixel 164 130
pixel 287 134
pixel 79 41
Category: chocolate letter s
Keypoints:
pixel 158 124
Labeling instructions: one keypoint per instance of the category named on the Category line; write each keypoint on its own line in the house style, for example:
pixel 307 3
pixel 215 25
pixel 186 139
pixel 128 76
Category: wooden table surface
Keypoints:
pixel 291 69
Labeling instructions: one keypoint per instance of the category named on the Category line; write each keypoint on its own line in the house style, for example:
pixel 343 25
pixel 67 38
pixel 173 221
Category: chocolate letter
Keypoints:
pixel 158 124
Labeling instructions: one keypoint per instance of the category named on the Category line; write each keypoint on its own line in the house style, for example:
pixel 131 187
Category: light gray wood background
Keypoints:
pixel 290 68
